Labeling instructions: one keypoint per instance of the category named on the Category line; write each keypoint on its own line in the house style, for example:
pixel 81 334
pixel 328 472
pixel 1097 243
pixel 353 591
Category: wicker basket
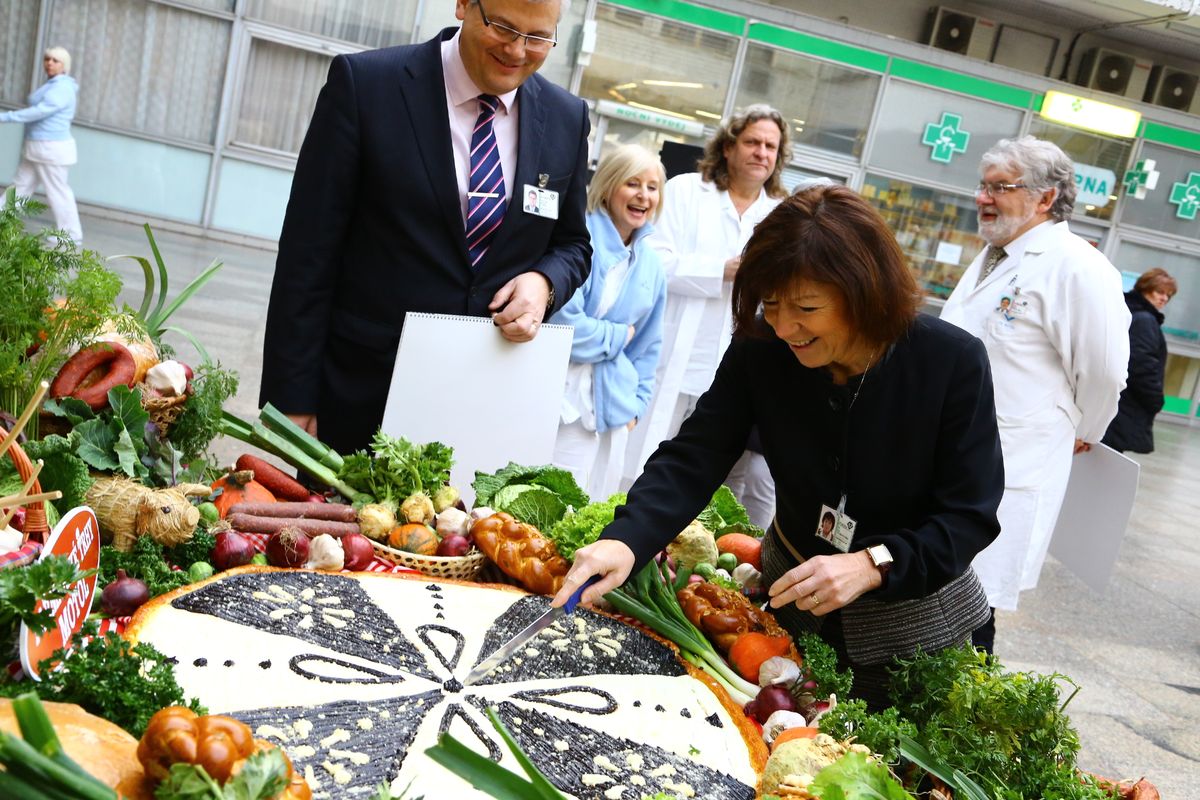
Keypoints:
pixel 463 568
pixel 163 411
pixel 36 527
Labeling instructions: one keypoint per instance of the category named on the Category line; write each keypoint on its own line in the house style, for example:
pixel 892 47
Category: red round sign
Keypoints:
pixel 76 536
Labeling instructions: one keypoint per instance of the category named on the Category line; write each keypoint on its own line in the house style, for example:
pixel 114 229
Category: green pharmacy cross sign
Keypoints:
pixel 1141 179
pixel 946 138
pixel 1187 196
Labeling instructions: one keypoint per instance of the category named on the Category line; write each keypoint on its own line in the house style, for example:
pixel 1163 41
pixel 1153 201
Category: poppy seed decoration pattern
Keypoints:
pixel 355 676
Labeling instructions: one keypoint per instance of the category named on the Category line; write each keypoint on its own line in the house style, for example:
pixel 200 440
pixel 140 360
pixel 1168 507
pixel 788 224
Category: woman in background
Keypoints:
pixel 49 148
pixel 617 315
pixel 1133 427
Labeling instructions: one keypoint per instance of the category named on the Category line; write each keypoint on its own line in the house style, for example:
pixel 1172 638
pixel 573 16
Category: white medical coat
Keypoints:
pixel 1053 318
pixel 698 231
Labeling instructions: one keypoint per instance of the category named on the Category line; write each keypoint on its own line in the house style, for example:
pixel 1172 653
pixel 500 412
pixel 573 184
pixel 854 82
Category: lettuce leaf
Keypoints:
pixel 535 505
pixel 557 480
pixel 856 777
pixel 724 514
pixel 584 526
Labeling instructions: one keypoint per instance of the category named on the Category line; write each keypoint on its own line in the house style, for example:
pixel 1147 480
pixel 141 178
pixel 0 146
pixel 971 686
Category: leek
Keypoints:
pixel 261 437
pixel 649 597
pixel 276 421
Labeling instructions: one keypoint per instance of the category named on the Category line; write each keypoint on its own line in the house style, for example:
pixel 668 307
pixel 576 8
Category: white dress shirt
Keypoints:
pixel 462 103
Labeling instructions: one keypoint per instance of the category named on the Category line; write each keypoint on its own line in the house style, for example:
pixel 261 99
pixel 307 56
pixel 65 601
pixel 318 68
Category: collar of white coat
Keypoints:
pixel 727 201
pixel 1035 240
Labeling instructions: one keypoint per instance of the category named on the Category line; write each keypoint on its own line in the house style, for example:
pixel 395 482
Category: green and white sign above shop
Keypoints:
pixel 1142 178
pixel 1186 195
pixel 946 138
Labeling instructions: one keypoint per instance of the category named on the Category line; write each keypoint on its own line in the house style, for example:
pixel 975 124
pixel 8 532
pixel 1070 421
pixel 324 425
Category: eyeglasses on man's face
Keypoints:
pixel 994 189
pixel 533 44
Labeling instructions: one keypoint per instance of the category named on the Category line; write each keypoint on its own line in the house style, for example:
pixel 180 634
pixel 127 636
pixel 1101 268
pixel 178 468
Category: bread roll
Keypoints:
pixel 521 552
pixel 103 749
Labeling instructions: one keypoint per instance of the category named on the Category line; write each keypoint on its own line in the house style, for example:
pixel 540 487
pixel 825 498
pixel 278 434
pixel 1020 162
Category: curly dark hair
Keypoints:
pixel 715 169
pixel 828 234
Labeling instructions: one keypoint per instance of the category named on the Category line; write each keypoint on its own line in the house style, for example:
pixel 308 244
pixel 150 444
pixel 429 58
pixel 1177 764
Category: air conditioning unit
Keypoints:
pixel 960 32
pixel 1113 72
pixel 1172 88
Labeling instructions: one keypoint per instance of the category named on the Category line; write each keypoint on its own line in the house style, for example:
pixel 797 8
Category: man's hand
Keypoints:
pixel 307 422
pixel 1081 446
pixel 731 267
pixel 518 308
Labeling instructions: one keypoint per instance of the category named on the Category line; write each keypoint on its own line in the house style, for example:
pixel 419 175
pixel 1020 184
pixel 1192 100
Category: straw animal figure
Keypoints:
pixel 126 510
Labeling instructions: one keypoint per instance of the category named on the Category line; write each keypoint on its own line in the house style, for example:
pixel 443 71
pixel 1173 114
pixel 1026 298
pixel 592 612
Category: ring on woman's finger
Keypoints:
pixel 816 601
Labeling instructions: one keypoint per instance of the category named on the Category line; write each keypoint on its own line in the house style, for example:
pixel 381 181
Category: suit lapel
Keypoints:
pixel 424 90
pixel 530 127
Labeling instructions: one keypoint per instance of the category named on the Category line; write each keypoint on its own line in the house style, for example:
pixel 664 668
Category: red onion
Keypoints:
pixel 232 550
pixel 287 547
pixel 770 699
pixel 123 596
pixel 317 498
pixel 454 545
pixel 357 552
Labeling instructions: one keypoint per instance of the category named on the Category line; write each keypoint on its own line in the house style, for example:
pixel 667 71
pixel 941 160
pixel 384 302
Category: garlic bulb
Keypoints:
pixel 325 552
pixel 167 377
pixel 779 722
pixel 778 671
pixel 747 576
pixel 452 521
pixel 481 512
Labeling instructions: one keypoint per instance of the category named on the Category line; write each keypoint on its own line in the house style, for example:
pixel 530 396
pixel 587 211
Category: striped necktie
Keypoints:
pixel 485 187
pixel 994 256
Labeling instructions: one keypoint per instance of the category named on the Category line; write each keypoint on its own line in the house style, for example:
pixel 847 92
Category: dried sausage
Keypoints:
pixel 120 371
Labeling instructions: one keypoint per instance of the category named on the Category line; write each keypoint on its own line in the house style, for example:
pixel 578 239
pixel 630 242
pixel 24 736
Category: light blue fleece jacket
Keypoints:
pixel 50 111
pixel 623 375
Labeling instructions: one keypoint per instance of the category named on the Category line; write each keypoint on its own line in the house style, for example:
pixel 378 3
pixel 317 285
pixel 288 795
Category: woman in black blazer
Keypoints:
pixel 868 410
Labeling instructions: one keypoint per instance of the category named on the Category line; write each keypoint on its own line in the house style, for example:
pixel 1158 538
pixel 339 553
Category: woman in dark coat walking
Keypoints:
pixel 1133 427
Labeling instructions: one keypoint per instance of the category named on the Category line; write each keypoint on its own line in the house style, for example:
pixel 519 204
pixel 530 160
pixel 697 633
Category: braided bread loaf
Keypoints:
pixel 521 552
pixel 723 615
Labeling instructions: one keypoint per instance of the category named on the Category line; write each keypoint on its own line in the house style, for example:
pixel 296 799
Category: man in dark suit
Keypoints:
pixel 408 196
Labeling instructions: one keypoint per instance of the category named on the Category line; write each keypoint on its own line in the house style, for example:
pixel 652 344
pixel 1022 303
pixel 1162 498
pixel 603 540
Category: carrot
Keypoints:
pixel 336 512
pixel 249 523
pixel 282 485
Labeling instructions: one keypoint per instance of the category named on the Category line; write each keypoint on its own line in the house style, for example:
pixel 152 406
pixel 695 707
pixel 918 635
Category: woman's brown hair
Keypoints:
pixel 1156 280
pixel 828 234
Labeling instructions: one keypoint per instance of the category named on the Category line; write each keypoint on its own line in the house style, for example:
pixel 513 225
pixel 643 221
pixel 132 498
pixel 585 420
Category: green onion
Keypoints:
pixel 277 421
pixel 649 598
pixel 263 438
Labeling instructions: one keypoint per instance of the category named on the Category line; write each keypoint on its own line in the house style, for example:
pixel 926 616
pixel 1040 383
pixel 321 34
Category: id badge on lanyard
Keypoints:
pixel 836 526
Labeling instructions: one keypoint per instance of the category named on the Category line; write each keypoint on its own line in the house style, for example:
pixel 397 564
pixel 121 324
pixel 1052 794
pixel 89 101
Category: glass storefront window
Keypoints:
pixel 1093 150
pixel 145 67
pixel 827 106
pixel 1155 211
pixel 371 23
pixel 907 115
pixel 18 21
pixel 659 65
pixel 278 96
pixel 1182 323
pixel 936 229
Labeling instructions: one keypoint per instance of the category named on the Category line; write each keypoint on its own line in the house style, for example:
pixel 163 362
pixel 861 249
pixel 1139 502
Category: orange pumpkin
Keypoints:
pixel 239 487
pixel 744 547
pixel 800 732
pixel 414 537
pixel 751 649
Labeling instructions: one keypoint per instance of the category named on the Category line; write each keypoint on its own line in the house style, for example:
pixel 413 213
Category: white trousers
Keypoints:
pixel 595 459
pixel 53 177
pixel 752 484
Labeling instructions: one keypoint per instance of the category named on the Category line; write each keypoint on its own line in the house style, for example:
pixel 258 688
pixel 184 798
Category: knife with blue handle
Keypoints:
pixel 521 639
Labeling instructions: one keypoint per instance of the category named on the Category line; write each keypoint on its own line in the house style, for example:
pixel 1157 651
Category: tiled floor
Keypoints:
pixel 1134 650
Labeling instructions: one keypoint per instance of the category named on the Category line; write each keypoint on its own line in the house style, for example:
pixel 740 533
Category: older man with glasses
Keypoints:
pixel 410 194
pixel 1050 310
